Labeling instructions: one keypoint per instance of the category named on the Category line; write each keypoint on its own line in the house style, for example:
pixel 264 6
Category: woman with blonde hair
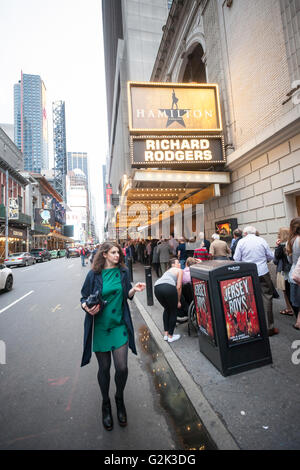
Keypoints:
pixel 283 267
pixel 293 252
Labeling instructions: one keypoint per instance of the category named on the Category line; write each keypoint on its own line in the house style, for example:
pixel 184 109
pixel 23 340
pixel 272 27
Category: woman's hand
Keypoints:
pixel 178 305
pixel 139 287
pixel 91 311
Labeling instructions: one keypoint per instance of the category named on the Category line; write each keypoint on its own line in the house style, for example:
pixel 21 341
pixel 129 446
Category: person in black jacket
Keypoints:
pixel 237 236
pixel 283 268
pixel 108 331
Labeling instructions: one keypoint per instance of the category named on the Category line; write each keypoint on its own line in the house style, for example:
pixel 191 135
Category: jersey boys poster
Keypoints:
pixel 203 310
pixel 240 310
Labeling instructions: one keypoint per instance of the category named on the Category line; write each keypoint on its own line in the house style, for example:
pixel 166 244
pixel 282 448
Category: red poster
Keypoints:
pixel 203 309
pixel 240 310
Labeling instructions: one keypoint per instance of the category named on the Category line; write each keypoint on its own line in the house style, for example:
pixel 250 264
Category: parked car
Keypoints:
pixel 61 253
pixel 54 253
pixel 40 254
pixel 74 252
pixel 19 259
pixel 6 278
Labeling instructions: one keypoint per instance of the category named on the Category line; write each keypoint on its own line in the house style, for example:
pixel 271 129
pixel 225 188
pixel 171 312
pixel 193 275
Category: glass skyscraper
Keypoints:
pixel 30 122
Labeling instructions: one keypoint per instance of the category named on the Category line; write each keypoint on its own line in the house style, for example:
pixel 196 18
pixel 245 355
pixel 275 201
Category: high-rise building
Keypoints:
pixel 78 160
pixel 78 202
pixel 30 122
pixel 60 148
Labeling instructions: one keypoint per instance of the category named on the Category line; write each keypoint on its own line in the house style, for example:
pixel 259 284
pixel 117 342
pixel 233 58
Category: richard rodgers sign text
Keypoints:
pixel 173 150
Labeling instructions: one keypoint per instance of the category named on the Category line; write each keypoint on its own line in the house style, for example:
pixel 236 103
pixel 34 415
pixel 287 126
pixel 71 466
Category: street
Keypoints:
pixel 48 401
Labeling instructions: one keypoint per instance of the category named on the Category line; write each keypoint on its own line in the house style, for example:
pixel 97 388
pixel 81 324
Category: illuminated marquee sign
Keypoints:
pixel 174 124
pixel 162 151
pixel 173 107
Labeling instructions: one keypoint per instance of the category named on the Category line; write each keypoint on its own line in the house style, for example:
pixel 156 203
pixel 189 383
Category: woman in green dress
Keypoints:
pixel 109 331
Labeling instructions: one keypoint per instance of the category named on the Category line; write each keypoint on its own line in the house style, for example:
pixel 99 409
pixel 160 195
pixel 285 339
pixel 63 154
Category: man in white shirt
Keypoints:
pixel 254 249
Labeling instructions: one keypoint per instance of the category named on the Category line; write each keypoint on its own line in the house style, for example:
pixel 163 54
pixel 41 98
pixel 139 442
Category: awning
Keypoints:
pixel 186 179
pixel 56 236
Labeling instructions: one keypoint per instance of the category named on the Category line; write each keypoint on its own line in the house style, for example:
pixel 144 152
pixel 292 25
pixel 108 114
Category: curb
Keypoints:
pixel 213 424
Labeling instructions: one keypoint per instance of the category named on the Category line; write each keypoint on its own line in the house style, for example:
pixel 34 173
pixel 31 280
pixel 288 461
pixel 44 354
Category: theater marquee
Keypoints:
pixel 173 108
pixel 176 150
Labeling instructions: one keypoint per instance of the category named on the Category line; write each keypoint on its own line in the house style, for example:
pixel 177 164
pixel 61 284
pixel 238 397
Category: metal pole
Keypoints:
pixel 149 290
pixel 130 268
pixel 6 216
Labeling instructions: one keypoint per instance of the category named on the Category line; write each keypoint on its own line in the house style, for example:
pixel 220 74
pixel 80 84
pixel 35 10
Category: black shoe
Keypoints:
pixel 107 419
pixel 121 411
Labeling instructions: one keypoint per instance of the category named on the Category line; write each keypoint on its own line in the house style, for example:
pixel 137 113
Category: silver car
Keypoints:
pixel 6 278
pixel 19 259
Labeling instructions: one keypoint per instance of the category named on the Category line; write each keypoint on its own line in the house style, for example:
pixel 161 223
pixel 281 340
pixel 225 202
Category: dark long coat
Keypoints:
pixel 92 283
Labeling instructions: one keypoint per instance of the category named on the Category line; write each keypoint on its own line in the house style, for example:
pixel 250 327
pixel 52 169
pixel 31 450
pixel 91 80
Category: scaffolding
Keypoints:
pixel 60 150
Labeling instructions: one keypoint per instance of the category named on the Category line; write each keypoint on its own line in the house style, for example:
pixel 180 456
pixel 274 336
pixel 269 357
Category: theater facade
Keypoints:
pixel 216 121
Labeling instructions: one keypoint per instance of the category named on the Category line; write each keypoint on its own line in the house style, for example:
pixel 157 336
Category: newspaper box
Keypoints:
pixel 230 315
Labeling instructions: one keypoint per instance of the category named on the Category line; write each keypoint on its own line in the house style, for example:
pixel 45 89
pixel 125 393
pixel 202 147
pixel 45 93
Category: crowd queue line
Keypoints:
pixel 108 327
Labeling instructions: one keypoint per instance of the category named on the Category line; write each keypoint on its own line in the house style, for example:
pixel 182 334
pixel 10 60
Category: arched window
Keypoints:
pixel 195 68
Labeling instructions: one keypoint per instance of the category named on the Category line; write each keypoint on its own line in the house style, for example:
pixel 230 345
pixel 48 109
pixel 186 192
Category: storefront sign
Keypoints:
pixel 16 233
pixel 173 107
pixel 158 151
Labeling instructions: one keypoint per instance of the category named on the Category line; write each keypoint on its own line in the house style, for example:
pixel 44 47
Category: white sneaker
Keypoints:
pixel 174 338
pixel 166 337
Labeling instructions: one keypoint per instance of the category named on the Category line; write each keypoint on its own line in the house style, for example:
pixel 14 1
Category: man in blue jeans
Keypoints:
pixel 82 256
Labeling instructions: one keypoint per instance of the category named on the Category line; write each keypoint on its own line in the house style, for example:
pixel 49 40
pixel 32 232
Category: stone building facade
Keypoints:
pixel 252 50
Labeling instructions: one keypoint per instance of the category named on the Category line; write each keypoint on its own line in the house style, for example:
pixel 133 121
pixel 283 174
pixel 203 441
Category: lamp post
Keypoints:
pixel 6 215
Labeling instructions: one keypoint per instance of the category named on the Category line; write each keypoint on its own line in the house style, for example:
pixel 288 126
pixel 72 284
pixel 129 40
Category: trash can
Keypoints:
pixel 231 320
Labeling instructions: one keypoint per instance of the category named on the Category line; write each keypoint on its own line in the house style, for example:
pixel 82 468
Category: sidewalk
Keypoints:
pixel 254 410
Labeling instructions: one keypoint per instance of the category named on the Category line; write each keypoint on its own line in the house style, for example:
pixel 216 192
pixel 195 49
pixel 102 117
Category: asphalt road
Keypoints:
pixel 46 400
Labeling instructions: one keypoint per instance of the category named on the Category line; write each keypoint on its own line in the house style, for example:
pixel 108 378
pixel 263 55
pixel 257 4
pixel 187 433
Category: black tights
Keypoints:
pixel 120 356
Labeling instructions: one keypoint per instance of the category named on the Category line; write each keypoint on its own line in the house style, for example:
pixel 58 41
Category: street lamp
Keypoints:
pixel 6 215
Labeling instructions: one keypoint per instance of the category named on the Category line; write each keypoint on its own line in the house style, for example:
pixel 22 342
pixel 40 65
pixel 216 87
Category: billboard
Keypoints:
pixel 203 309
pixel 45 217
pixel 13 208
pixel 240 309
pixel 173 107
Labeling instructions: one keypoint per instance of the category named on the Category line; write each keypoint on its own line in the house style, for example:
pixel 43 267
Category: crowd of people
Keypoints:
pixel 107 288
pixel 168 256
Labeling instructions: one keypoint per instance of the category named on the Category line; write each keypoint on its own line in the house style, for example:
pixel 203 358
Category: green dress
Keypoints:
pixel 110 331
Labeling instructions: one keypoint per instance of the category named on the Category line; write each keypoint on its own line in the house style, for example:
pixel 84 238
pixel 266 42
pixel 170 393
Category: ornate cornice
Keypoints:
pixel 169 30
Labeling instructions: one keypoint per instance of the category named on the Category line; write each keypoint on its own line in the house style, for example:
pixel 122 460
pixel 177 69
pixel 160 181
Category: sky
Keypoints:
pixel 60 40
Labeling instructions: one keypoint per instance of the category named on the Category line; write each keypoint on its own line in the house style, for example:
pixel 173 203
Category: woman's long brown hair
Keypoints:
pixel 294 232
pixel 99 259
